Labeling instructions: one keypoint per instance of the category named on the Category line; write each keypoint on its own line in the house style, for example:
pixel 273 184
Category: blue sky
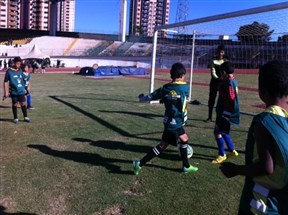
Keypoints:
pixel 102 16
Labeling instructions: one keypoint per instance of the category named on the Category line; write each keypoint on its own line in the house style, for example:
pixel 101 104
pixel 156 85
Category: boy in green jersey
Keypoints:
pixel 266 163
pixel 173 95
pixel 14 87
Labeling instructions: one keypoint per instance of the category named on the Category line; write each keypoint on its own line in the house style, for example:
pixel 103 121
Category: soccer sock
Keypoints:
pixel 183 152
pixel 14 110
pixel 29 100
pixel 220 143
pixel 154 152
pixel 24 110
pixel 228 141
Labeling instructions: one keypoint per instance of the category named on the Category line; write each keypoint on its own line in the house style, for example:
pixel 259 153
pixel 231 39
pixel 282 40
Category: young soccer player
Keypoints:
pixel 26 77
pixel 173 95
pixel 216 73
pixel 227 112
pixel 266 164
pixel 15 88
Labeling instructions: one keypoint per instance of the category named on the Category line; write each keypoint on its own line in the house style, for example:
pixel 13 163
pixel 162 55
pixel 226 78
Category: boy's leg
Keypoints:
pixel 227 138
pixel 14 107
pixel 154 152
pixel 183 151
pixel 220 140
pixel 29 100
pixel 24 108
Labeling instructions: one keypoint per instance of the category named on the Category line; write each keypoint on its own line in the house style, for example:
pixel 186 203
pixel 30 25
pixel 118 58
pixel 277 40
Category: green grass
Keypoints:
pixel 76 155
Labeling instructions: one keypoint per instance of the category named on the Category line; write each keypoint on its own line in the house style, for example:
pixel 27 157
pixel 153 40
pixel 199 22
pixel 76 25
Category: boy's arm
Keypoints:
pixel 266 153
pixel 6 85
pixel 152 96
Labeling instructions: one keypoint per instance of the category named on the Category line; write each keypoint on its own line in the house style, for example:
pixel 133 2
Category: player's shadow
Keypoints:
pixel 100 120
pixel 2 212
pixel 84 157
pixel 6 120
pixel 103 97
pixel 140 114
pixel 2 106
pixel 168 154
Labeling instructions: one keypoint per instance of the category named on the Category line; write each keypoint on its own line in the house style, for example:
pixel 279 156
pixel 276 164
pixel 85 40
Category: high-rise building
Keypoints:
pixel 145 15
pixel 36 14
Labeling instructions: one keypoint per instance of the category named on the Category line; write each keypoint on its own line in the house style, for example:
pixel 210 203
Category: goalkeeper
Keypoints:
pixel 173 95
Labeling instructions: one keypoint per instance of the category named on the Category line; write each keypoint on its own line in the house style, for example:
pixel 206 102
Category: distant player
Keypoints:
pixel 173 95
pixel 14 87
pixel 26 78
pixel 227 112
pixel 266 164
pixel 216 73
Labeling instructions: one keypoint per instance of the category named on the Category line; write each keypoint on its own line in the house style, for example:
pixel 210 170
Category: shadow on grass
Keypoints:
pixel 6 120
pixel 84 157
pixel 116 145
pixel 2 106
pixel 101 121
pixel 2 212
pixel 103 98
pixel 144 115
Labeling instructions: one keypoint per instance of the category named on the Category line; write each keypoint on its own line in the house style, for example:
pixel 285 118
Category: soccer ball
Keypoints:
pixel 189 151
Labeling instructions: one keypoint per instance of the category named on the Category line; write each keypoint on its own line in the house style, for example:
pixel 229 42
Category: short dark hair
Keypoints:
pixel 220 48
pixel 23 65
pixel 273 77
pixel 227 67
pixel 177 71
pixel 17 59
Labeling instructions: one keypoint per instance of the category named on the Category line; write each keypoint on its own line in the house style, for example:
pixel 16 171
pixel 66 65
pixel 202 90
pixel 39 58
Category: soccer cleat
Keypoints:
pixel 30 108
pixel 136 167
pixel 16 121
pixel 219 159
pixel 189 169
pixel 27 119
pixel 208 120
pixel 234 153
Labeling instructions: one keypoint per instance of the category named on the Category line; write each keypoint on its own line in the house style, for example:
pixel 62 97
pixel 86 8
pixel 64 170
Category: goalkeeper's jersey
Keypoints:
pixel 173 95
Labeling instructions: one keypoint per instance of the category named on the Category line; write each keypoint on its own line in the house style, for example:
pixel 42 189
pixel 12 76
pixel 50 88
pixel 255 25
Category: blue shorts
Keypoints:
pixel 222 125
pixel 172 137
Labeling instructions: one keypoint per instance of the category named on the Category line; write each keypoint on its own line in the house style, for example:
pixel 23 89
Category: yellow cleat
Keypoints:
pixel 219 159
pixel 232 154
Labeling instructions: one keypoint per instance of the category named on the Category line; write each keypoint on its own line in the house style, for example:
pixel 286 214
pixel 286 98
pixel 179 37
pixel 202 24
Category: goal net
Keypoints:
pixel 250 37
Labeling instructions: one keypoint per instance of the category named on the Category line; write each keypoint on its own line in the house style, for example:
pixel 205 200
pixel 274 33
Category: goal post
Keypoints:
pixel 205 34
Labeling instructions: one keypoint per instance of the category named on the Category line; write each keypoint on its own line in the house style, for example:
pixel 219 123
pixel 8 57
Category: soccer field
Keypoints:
pixel 76 155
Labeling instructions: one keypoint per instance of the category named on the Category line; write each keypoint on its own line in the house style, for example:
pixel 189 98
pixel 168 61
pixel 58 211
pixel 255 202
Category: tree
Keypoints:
pixel 283 39
pixel 255 32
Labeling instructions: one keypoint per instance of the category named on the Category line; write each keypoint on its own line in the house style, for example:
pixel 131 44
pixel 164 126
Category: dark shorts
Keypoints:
pixel 172 137
pixel 222 125
pixel 18 98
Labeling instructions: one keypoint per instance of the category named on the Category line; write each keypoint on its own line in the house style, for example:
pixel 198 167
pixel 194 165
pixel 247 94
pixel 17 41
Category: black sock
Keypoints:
pixel 154 152
pixel 183 152
pixel 24 110
pixel 14 110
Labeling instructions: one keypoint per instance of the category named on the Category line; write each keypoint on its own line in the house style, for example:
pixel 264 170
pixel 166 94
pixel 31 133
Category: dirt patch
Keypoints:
pixel 7 204
pixel 115 210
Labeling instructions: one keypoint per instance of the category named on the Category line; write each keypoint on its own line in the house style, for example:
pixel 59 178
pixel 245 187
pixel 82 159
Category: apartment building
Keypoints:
pixel 145 15
pixel 36 14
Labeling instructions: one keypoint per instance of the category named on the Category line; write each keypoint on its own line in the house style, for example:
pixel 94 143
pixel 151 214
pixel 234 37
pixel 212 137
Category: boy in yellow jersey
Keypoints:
pixel 173 95
pixel 266 164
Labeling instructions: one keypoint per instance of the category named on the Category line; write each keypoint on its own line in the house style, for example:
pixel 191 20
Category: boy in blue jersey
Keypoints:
pixel 26 78
pixel 15 88
pixel 227 112
pixel 173 95
pixel 266 161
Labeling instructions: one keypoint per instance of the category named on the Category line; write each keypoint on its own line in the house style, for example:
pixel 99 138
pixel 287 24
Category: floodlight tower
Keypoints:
pixel 182 15
pixel 123 15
